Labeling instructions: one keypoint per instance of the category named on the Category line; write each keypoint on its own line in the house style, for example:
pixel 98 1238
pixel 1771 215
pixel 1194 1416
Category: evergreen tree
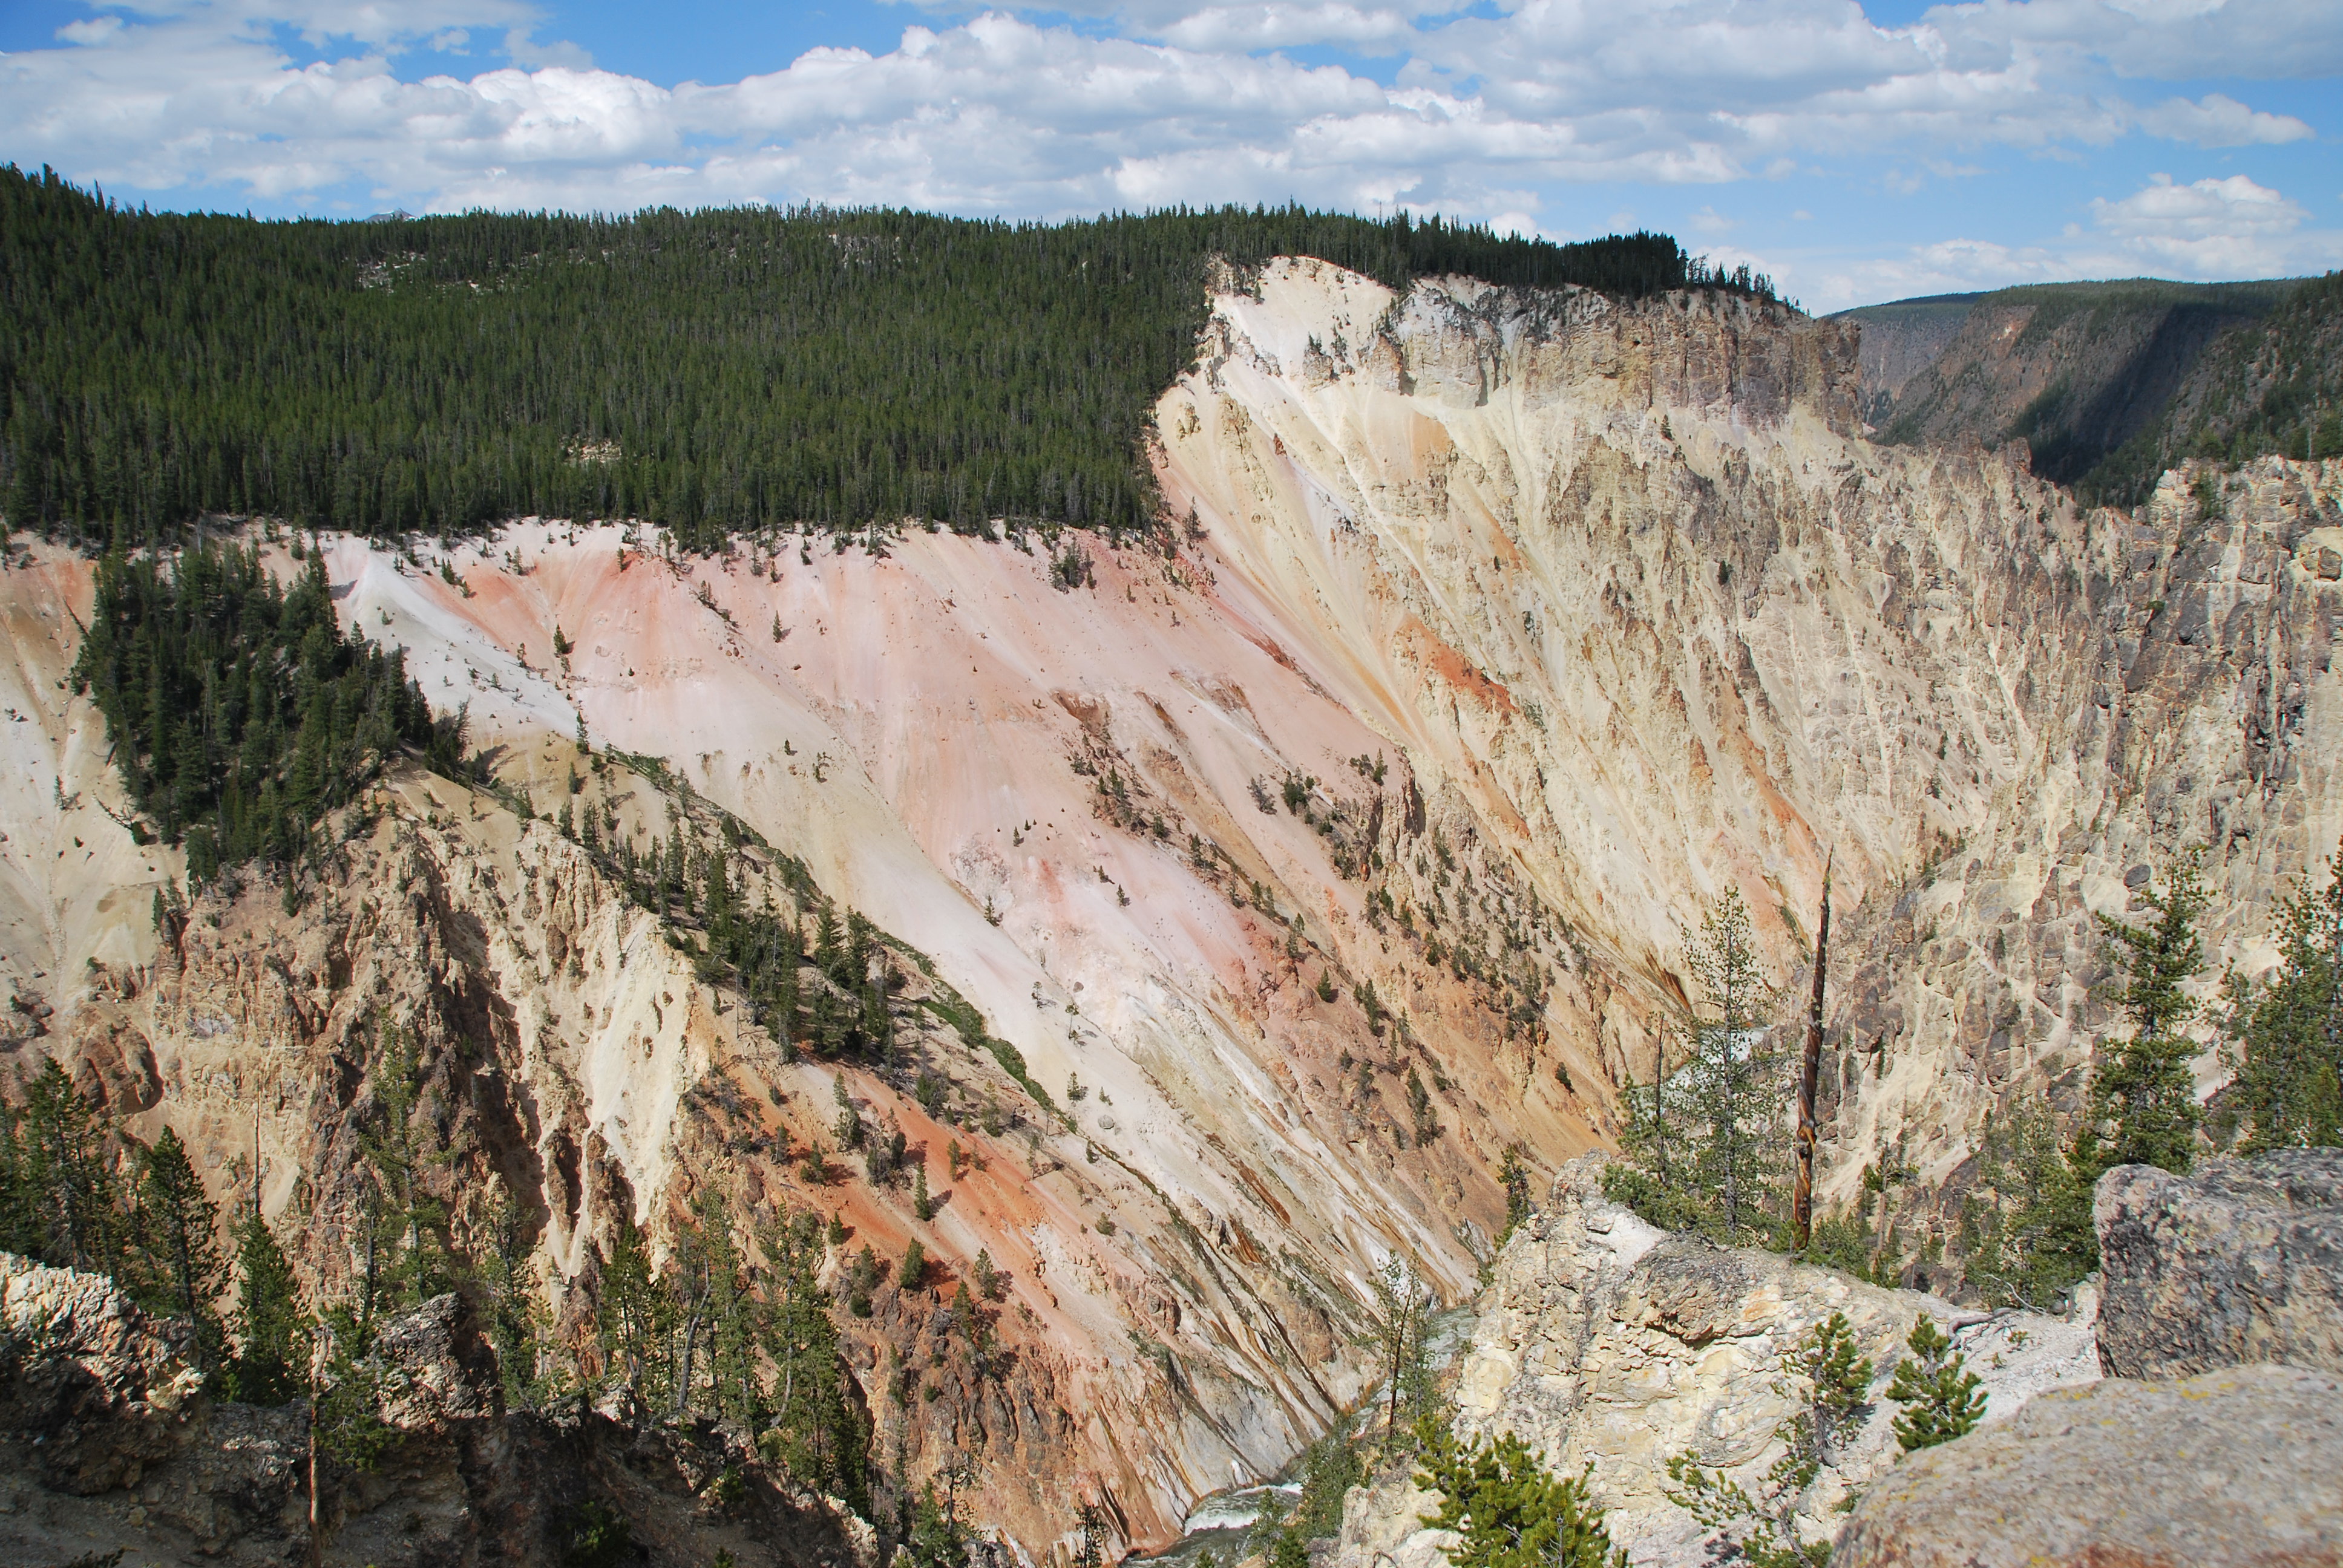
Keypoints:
pixel 2027 1221
pixel 715 1313
pixel 1509 1510
pixel 815 1429
pixel 271 1364
pixel 635 1320
pixel 20 1203
pixel 2144 1109
pixel 74 1216
pixel 1943 1399
pixel 238 712
pixel 180 1270
pixel 937 1539
pixel 1514 1172
pixel 1705 1148
pixel 516 1326
pixel 345 1394
pixel 723 372
pixel 1399 1319
pixel 1330 1468
pixel 2285 1036
pixel 1831 1384
pixel 407 1254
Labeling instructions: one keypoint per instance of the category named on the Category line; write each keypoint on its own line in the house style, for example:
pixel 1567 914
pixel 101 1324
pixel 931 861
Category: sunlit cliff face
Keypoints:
pixel 1331 849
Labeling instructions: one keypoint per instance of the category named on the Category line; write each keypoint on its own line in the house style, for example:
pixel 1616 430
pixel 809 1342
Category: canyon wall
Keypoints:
pixel 1497 636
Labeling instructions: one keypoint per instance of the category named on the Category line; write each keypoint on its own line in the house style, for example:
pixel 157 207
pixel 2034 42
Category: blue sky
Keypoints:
pixel 1855 152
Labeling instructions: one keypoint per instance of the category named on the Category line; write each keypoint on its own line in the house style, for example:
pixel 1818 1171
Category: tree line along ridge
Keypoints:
pixel 714 372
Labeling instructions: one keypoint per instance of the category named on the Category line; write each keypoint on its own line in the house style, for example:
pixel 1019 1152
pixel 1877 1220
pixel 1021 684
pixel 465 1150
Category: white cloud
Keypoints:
pixel 529 55
pixel 2166 40
pixel 2229 228
pixel 2210 229
pixel 2219 121
pixel 1491 116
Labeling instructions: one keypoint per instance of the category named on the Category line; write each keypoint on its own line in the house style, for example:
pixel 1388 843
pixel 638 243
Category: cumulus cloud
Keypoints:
pixel 2163 40
pixel 2220 121
pixel 2229 228
pixel 2208 229
pixel 1194 103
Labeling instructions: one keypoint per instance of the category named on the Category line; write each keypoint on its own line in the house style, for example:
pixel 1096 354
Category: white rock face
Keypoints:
pixel 1610 1347
pixel 1625 582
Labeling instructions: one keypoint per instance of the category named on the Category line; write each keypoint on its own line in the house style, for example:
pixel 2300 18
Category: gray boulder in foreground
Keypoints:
pixel 2230 1468
pixel 2241 1263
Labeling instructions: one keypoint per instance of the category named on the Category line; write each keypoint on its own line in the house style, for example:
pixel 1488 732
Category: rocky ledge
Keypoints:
pixel 108 1444
pixel 1603 1340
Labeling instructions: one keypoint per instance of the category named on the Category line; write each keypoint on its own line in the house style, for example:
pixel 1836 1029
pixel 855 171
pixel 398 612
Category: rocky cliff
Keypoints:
pixel 1604 1342
pixel 1329 847
pixel 111 1450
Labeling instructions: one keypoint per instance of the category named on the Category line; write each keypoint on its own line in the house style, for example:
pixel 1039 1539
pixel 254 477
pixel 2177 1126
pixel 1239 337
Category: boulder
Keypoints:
pixel 2240 1468
pixel 2239 1264
pixel 96 1386
pixel 438 1370
pixel 1601 1340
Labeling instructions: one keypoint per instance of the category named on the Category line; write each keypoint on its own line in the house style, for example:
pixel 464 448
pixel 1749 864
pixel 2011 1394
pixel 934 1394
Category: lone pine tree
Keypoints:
pixel 2143 1101
pixel 1704 1145
pixel 2285 1034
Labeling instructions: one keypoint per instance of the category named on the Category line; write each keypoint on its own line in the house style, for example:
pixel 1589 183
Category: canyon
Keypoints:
pixel 1335 842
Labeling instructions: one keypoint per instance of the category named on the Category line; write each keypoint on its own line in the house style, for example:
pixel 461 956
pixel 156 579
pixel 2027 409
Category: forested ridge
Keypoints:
pixel 2275 386
pixel 714 372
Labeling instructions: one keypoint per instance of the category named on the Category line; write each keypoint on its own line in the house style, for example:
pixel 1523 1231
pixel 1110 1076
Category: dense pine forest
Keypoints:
pixel 239 711
pixel 714 372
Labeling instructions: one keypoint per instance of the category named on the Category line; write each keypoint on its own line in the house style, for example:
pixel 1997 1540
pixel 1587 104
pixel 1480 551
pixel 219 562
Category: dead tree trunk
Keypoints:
pixel 1810 1069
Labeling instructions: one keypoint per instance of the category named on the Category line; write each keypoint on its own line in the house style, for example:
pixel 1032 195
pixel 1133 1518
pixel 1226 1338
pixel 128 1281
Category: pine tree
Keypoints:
pixel 2144 1109
pixel 516 1326
pixel 814 1429
pixel 407 1255
pixel 634 1320
pixel 1943 1400
pixel 271 1363
pixel 1398 1318
pixel 1509 1510
pixel 75 1215
pixel 2285 1036
pixel 1829 1387
pixel 179 1268
pixel 1515 1173
pixel 1833 1385
pixel 711 1303
pixel 1704 1147
pixel 2027 1220
pixel 20 1203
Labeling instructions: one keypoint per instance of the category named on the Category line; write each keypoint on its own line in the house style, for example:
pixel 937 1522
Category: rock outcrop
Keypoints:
pixel 107 1444
pixel 100 1389
pixel 2241 1468
pixel 1604 1341
pixel 2240 1263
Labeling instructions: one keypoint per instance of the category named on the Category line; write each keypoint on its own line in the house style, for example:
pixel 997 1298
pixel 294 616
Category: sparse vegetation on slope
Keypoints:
pixel 714 372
